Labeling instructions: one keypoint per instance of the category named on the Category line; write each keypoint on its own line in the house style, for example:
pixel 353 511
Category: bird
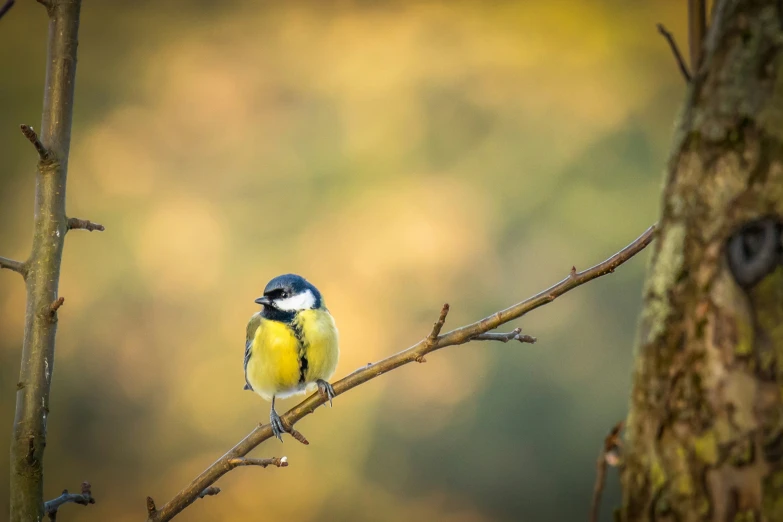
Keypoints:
pixel 292 344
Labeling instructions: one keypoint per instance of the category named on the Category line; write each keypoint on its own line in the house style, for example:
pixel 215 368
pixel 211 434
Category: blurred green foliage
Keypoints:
pixel 399 155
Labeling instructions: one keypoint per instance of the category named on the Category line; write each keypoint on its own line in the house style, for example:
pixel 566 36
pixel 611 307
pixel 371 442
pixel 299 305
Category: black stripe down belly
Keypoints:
pixel 299 334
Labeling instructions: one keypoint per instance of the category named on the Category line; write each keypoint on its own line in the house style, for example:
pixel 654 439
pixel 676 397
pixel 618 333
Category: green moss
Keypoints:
pixel 657 474
pixel 773 500
pixel 705 447
pixel 662 277
pixel 683 485
pixel 744 346
pixel 767 299
pixel 745 516
pixel 743 454
pixel 703 506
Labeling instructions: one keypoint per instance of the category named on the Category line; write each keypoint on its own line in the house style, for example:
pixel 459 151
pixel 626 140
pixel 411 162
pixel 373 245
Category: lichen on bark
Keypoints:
pixel 705 429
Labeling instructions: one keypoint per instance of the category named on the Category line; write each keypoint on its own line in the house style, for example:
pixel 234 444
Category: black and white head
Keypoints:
pixel 289 294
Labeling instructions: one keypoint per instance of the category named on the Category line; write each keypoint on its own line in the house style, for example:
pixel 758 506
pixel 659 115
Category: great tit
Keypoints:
pixel 292 344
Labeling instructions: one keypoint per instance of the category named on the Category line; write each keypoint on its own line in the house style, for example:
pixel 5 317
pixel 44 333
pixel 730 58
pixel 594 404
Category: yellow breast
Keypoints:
pixel 321 346
pixel 273 368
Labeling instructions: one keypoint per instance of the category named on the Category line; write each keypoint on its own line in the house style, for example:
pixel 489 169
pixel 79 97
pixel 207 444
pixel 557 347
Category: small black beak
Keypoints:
pixel 264 300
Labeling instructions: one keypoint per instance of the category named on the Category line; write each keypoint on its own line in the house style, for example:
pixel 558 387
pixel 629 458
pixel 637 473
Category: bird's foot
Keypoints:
pixel 278 428
pixel 326 390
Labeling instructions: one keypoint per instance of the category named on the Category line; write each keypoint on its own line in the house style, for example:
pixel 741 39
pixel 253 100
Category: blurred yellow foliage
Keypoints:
pixel 399 155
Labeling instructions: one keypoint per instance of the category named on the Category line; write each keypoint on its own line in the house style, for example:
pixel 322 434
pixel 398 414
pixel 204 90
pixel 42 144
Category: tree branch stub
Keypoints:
pixel 15 266
pixel 84 224
pixel 607 456
pixel 43 153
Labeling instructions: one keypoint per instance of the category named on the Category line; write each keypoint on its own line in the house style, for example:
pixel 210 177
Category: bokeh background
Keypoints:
pixel 399 155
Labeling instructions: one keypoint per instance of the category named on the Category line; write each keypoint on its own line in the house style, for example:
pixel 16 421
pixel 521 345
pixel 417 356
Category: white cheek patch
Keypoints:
pixel 303 301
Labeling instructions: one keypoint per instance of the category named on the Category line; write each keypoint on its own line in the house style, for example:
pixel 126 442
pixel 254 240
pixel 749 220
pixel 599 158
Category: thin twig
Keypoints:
pixel 84 498
pixel 84 224
pixel 607 456
pixel 697 27
pixel 676 52
pixel 280 462
pixel 6 7
pixel 438 326
pixel 459 336
pixel 513 335
pixel 16 266
pixel 30 134
pixel 432 338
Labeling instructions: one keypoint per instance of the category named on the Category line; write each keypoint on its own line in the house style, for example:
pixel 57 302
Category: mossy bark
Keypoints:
pixel 43 267
pixel 705 430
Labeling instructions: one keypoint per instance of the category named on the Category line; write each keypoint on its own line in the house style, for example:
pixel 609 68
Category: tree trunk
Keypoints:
pixel 705 430
pixel 42 269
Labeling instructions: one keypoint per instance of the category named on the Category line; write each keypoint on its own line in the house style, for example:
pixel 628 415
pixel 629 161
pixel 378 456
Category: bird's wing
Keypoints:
pixel 252 326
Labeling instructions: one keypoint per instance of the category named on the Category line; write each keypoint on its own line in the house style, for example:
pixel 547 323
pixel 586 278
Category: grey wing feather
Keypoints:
pixel 252 326
pixel 248 344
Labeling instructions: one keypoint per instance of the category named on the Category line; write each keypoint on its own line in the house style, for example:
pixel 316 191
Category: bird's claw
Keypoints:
pixel 326 390
pixel 278 428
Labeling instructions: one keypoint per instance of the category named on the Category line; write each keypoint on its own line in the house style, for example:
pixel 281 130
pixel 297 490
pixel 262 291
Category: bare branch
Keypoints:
pixel 459 336
pixel 43 278
pixel 513 335
pixel 6 7
pixel 17 266
pixel 30 134
pixel 84 224
pixel 607 456
pixel 676 52
pixel 697 28
pixel 84 498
